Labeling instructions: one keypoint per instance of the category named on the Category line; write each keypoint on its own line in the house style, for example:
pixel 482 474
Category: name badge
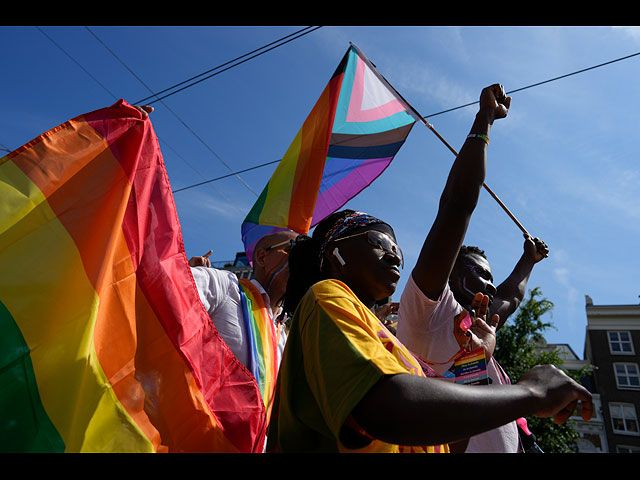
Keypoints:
pixel 471 368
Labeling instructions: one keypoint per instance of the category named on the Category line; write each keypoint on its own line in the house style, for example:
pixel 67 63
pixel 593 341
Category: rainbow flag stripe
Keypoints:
pixel 263 341
pixel 351 135
pixel 105 345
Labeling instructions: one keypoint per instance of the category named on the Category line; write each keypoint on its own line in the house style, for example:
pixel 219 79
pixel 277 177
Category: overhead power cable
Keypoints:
pixel 541 83
pixel 445 111
pixel 227 176
pixel 174 114
pixel 76 62
pixel 229 64
pixel 265 48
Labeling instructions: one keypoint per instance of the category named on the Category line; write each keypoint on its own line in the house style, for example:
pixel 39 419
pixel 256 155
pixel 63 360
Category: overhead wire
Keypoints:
pixel 76 62
pixel 227 176
pixel 206 145
pixel 541 83
pixel 265 48
pixel 455 108
pixel 276 44
pixel 115 97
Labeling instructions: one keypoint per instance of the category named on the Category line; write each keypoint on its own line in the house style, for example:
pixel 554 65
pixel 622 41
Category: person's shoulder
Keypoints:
pixel 335 296
pixel 215 271
pixel 413 292
pixel 330 288
pixel 222 278
pixel 327 292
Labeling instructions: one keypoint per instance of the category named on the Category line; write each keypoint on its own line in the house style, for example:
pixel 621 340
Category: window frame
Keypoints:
pixel 621 406
pixel 620 342
pixel 627 449
pixel 626 366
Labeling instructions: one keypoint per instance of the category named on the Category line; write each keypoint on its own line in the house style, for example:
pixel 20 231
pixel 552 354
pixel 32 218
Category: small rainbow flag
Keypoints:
pixel 263 341
pixel 351 135
pixel 104 343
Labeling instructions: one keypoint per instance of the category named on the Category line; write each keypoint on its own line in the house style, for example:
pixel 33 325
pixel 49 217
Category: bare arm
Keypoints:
pixel 459 198
pixel 511 291
pixel 425 411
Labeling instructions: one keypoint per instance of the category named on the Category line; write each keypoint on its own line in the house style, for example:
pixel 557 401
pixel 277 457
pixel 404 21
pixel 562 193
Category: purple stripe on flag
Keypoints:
pixel 340 192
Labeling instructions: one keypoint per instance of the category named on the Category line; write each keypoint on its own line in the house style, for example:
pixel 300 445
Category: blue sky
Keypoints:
pixel 565 161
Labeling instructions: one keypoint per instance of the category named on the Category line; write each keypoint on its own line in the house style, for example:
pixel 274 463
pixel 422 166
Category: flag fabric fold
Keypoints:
pixel 104 343
pixel 351 135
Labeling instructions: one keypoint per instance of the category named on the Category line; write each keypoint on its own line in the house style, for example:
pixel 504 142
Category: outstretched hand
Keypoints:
pixel 383 311
pixel 482 332
pixel 201 261
pixel 557 394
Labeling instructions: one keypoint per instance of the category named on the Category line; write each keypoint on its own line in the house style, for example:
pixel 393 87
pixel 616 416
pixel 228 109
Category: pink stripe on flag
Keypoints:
pixel 355 112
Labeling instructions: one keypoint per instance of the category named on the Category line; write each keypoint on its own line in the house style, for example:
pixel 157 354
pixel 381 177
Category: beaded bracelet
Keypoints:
pixel 479 135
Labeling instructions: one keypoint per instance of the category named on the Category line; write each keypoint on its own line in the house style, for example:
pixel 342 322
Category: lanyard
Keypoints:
pixel 469 365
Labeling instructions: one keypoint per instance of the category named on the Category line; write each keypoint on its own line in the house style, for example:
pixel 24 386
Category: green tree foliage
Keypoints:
pixel 516 352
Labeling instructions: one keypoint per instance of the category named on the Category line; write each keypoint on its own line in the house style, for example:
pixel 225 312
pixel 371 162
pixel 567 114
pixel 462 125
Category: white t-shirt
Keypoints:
pixel 220 293
pixel 425 326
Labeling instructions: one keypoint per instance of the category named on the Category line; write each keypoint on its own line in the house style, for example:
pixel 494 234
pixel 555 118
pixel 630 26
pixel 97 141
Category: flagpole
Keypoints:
pixel 504 207
pixel 417 115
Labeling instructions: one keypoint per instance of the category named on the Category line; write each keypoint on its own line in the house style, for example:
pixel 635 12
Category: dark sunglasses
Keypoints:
pixel 380 240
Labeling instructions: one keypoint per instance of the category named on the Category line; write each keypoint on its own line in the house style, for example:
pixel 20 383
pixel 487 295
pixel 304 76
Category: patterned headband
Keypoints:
pixel 346 224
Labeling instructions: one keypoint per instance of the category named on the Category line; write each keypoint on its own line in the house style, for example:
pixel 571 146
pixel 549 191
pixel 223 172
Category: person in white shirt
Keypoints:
pixel 431 330
pixel 443 283
pixel 220 292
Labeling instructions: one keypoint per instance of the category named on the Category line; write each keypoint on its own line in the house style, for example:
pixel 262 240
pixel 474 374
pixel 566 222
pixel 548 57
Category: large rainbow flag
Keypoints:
pixel 351 135
pixel 104 343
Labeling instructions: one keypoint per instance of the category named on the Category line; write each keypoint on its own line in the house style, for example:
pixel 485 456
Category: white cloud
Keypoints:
pixel 206 203
pixel 424 84
pixel 572 299
pixel 631 32
pixel 614 192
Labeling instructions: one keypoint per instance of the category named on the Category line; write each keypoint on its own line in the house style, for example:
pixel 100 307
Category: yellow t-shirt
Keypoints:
pixel 337 349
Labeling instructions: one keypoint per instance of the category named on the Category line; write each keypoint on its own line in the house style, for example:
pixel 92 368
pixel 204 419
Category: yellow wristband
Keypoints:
pixel 479 135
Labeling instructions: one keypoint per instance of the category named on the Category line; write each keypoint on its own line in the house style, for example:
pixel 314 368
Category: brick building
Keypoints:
pixel 612 344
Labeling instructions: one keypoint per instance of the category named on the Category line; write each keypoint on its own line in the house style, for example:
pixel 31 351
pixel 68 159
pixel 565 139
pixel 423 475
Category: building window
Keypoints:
pixel 627 449
pixel 620 343
pixel 623 418
pixel 627 375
